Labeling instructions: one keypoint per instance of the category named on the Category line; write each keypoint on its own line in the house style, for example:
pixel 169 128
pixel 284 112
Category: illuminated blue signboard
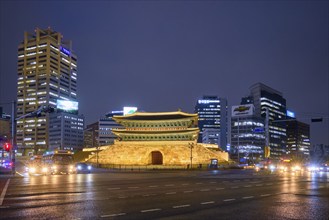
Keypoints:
pixel 290 114
pixel 66 51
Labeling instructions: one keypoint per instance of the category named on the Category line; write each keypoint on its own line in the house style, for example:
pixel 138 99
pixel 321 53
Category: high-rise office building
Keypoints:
pixel 247 134
pixel 212 112
pixel 106 136
pixel 65 131
pixel 298 139
pixel 270 105
pixel 47 71
pixel 100 133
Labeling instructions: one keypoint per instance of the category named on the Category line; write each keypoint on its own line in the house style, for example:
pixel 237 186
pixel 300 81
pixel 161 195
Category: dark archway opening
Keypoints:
pixel 157 158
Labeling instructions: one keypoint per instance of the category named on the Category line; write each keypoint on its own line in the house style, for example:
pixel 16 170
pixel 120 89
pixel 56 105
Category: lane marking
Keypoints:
pixel 4 207
pixel 170 193
pixel 265 195
pixel 112 215
pixel 133 187
pixel 2 196
pixel 19 173
pixel 206 203
pixel 153 186
pixel 113 188
pixel 247 186
pixel 146 195
pixel 204 190
pixel 181 206
pixel 227 200
pixel 150 210
pixel 219 188
pixel 189 191
pixel 248 197
pixel 122 197
pixel 169 185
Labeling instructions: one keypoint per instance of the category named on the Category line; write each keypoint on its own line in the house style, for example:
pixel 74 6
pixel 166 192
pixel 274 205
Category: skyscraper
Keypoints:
pixel 47 71
pixel 268 100
pixel 212 112
pixel 298 139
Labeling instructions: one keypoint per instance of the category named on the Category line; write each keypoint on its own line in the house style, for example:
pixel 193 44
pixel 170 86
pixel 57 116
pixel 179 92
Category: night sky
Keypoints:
pixel 164 55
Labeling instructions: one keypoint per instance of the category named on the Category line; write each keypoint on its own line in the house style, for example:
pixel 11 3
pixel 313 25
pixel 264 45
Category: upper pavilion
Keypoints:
pixel 157 126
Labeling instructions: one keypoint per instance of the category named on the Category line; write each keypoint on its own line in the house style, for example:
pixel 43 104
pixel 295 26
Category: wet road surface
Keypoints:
pixel 232 194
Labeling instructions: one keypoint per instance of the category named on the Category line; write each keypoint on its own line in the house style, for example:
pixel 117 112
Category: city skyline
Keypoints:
pixel 164 56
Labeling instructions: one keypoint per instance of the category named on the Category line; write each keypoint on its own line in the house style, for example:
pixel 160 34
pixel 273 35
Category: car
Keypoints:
pixel 6 163
pixel 37 169
pixel 83 168
pixel 324 168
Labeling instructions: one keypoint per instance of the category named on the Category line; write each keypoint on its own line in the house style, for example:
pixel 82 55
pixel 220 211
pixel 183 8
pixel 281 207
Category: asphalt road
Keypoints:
pixel 232 194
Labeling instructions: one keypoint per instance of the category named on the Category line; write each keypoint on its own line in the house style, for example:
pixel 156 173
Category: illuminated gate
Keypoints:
pixel 157 158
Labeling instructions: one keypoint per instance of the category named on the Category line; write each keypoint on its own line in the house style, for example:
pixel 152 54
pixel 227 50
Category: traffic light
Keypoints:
pixel 7 146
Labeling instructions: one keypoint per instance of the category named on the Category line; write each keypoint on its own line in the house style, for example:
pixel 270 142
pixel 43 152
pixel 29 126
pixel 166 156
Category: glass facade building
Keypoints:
pixel 247 138
pixel 298 139
pixel 212 113
pixel 268 100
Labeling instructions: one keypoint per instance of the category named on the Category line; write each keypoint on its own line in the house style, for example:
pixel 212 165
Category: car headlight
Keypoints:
pixel 295 168
pixel 44 169
pixel 79 167
pixel 54 167
pixel 33 170
pixel 272 167
pixel 89 167
pixel 313 168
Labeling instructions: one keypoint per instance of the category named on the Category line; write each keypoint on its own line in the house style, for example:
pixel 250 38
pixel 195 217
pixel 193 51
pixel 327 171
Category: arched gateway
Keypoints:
pixel 156 158
pixel 158 139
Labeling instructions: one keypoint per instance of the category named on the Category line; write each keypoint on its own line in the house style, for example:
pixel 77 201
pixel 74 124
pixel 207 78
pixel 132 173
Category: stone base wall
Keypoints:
pixel 173 153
